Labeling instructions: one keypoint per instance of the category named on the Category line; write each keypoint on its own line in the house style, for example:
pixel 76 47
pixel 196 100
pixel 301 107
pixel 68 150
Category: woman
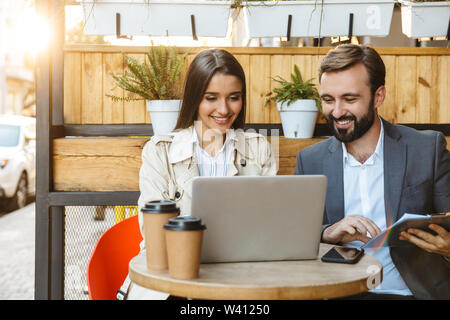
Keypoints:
pixel 208 140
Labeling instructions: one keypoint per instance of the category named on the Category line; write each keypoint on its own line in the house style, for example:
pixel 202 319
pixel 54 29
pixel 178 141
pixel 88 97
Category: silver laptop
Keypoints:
pixel 254 218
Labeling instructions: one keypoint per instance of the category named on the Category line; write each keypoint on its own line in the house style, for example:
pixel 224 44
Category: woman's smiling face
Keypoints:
pixel 221 103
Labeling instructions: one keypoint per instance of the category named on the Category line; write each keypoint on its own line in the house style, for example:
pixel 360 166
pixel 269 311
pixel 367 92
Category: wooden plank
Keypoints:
pixel 244 61
pixel 288 149
pixel 427 91
pixel 280 66
pixel 435 112
pixel 406 89
pixel 408 99
pixel 134 111
pixel 92 89
pixel 435 102
pixel 195 50
pixel 72 87
pixel 97 164
pixel 388 109
pixel 397 51
pixel 96 173
pixel 99 147
pixel 314 71
pixel 112 164
pixel 443 89
pixel 424 85
pixel 259 88
pixel 112 110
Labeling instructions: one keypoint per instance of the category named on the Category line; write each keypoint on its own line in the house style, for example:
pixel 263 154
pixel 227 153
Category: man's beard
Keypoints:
pixel 360 127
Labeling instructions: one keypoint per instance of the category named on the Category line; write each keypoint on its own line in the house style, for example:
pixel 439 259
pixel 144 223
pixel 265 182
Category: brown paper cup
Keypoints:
pixel 154 219
pixel 184 249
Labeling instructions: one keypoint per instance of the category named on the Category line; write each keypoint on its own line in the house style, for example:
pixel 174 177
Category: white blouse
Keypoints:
pixel 214 166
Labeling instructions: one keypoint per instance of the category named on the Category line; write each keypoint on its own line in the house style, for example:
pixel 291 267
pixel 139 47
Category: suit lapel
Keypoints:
pixel 394 171
pixel 333 169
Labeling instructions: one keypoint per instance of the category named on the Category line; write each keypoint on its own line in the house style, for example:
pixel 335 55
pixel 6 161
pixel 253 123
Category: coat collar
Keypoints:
pixel 182 147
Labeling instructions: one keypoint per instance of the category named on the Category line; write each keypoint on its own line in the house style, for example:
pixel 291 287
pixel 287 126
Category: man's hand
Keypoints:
pixel 439 243
pixel 349 229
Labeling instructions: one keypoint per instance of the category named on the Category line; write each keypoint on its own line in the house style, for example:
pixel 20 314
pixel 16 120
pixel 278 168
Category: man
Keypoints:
pixel 376 172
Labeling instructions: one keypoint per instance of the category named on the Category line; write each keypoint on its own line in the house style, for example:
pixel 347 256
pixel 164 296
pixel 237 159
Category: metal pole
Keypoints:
pixel 49 251
pixel 43 107
pixel 57 118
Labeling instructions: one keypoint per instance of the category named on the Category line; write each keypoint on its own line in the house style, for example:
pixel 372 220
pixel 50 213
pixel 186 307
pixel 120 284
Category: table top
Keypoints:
pixel 272 280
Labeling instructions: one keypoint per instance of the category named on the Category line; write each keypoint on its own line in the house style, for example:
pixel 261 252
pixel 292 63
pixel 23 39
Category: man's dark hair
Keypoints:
pixel 347 55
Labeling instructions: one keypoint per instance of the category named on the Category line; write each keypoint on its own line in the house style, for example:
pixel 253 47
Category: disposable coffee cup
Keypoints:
pixel 184 237
pixel 155 215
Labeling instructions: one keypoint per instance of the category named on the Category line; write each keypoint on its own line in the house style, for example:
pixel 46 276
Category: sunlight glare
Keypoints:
pixel 31 32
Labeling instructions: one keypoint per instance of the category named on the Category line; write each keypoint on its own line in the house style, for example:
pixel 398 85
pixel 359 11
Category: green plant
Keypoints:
pixel 153 79
pixel 242 3
pixel 296 89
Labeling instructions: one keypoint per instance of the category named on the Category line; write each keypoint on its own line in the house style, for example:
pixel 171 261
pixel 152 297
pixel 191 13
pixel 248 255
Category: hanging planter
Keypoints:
pixel 203 18
pixel 425 19
pixel 311 19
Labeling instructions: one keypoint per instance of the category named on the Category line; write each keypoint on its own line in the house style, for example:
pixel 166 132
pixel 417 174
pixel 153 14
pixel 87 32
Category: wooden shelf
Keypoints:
pixel 113 163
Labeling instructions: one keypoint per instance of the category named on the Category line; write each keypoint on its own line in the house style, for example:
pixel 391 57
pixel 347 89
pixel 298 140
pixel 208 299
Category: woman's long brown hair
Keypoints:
pixel 203 67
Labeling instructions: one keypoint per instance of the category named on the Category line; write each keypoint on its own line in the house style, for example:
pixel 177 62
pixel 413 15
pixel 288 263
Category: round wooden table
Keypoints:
pixel 274 280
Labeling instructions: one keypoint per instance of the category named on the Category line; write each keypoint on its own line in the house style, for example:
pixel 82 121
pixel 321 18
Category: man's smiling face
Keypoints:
pixel 348 105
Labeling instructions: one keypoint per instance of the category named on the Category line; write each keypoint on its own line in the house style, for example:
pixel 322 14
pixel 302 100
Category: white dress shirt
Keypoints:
pixel 364 196
pixel 214 166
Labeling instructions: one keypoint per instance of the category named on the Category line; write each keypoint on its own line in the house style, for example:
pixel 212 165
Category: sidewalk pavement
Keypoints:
pixel 17 230
pixel 17 250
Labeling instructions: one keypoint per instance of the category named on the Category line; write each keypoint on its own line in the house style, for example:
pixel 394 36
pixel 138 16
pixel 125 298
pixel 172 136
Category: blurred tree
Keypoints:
pixel 76 35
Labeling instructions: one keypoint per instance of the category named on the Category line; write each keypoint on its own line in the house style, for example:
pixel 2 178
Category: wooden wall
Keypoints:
pixel 417 82
pixel 112 164
pixel 417 92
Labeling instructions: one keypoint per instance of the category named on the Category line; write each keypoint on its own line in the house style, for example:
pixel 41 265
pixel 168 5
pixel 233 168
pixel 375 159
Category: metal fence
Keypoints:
pixel 83 226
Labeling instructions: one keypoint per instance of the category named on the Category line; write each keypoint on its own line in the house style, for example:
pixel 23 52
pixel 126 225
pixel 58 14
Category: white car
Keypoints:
pixel 17 161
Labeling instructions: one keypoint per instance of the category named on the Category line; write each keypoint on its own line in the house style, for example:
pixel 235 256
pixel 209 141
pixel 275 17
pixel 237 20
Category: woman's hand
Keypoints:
pixel 439 243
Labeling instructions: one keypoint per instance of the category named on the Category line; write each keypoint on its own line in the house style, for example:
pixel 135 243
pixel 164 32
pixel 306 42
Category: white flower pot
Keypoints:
pixel 164 115
pixel 156 17
pixel 298 119
pixel 425 19
pixel 270 18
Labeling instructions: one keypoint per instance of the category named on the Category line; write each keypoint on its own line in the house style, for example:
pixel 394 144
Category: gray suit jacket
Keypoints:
pixel 416 180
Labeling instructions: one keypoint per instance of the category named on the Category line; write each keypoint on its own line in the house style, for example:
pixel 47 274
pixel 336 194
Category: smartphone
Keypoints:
pixel 343 255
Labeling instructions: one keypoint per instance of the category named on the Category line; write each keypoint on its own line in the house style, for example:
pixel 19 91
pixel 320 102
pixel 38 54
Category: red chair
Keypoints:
pixel 108 266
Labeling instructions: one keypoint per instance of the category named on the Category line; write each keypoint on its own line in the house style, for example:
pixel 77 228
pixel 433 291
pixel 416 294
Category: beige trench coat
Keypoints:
pixel 169 165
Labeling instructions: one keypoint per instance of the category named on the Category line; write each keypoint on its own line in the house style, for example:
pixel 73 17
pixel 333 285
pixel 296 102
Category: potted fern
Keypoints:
pixel 298 102
pixel 154 80
pixel 425 18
